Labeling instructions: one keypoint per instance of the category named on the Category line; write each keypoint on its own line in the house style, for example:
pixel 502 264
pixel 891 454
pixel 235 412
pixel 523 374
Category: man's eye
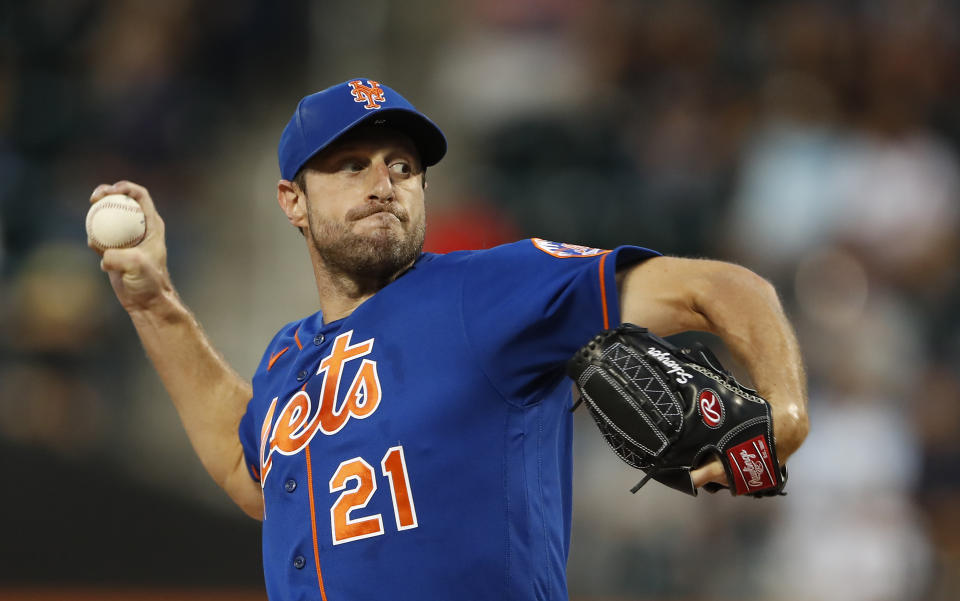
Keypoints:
pixel 400 168
pixel 352 166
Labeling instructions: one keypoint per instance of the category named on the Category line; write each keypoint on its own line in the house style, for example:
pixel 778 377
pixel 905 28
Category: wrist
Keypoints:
pixel 165 308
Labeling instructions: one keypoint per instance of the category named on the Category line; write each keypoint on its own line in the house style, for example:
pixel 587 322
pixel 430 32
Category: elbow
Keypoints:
pixel 791 425
pixel 254 510
pixel 252 505
pixel 244 491
pixel 799 425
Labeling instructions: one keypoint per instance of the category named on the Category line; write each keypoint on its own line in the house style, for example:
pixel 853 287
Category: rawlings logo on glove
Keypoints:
pixel 667 411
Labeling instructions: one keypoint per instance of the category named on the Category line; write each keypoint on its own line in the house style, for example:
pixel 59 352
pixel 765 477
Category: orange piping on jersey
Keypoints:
pixel 296 338
pixel 256 474
pixel 266 464
pixel 273 358
pixel 313 524
pixel 603 294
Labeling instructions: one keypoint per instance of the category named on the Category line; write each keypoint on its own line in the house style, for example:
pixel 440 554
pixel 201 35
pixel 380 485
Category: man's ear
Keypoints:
pixel 293 202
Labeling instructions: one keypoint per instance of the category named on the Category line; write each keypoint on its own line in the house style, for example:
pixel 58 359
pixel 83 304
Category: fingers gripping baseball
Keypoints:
pixel 154 225
pixel 138 274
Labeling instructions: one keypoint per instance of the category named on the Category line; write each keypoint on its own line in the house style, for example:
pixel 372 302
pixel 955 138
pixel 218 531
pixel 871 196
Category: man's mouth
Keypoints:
pixel 377 211
pixel 383 215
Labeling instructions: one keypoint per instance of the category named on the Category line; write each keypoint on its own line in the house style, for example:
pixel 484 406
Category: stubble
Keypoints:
pixel 379 255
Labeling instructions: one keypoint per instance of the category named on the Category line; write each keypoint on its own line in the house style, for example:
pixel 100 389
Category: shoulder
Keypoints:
pixel 286 340
pixel 433 265
pixel 544 257
pixel 528 249
pixel 287 334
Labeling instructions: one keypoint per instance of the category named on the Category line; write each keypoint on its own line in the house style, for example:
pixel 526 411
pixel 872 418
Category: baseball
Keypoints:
pixel 115 221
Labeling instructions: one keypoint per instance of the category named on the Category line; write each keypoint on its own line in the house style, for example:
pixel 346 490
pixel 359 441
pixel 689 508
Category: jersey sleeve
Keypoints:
pixel 252 421
pixel 528 306
pixel 250 443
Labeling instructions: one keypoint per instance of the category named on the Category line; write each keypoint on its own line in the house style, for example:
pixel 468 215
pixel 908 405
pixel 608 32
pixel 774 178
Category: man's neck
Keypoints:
pixel 339 294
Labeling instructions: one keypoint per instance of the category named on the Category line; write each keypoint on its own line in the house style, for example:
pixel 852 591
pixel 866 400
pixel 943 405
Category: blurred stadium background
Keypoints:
pixel 816 142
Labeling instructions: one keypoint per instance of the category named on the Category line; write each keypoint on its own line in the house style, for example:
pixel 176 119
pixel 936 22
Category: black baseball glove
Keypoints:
pixel 667 410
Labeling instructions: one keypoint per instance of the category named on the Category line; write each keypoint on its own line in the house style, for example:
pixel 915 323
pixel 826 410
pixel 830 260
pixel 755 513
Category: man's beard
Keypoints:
pixel 377 256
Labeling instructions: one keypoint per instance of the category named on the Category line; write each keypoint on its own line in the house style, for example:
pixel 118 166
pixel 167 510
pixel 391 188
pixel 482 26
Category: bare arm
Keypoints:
pixel 209 396
pixel 671 295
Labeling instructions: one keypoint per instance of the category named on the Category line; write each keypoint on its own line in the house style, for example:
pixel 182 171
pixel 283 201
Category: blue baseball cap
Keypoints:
pixel 323 117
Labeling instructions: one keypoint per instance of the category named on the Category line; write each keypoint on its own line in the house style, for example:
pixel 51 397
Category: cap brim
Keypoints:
pixel 426 136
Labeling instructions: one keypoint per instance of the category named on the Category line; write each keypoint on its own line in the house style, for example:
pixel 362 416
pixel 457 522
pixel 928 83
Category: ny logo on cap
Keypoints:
pixel 371 94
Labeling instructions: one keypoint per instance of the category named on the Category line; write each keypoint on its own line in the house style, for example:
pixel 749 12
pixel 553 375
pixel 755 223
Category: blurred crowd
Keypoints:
pixel 815 142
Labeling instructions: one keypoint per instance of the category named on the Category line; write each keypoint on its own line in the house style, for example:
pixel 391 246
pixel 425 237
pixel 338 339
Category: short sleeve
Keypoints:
pixel 249 441
pixel 252 420
pixel 528 306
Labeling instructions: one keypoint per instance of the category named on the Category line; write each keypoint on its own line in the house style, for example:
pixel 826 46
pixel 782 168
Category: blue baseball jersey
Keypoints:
pixel 420 448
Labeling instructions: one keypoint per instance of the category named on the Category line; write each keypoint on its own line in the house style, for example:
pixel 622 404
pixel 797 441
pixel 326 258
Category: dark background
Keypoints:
pixel 815 142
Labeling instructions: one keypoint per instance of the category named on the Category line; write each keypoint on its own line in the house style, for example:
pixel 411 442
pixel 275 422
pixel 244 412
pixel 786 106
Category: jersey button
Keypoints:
pixel 290 485
pixel 318 339
pixel 299 562
pixel 302 376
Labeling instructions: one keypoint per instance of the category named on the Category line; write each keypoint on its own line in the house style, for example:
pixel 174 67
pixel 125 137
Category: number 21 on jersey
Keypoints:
pixel 346 528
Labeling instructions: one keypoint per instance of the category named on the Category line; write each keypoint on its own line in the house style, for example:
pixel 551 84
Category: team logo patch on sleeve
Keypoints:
pixel 563 250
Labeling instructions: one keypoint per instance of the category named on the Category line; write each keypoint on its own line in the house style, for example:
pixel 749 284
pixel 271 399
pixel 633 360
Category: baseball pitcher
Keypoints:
pixel 412 438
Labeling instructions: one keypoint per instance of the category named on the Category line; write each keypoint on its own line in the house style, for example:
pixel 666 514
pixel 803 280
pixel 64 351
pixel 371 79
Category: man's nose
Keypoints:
pixel 381 186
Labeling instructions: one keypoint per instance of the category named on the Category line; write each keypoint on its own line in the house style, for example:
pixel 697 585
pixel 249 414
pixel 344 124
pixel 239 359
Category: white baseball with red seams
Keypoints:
pixel 115 221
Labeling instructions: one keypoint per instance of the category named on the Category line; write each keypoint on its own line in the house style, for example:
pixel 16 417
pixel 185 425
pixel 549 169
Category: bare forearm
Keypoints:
pixel 670 295
pixel 208 394
pixel 744 310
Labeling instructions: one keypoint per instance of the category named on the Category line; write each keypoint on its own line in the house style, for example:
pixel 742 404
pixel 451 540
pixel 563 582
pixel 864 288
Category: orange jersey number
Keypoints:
pixel 346 528
pixel 395 467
